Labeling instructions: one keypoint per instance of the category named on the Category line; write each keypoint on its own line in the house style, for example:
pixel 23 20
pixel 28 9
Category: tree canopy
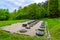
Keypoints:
pixel 50 8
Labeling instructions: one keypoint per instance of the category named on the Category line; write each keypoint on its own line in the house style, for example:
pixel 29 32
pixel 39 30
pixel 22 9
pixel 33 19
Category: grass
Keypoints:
pixel 7 36
pixel 4 23
pixel 54 27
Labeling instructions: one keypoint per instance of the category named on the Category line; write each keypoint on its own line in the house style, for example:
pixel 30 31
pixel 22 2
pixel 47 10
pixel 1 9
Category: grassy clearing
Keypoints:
pixel 4 23
pixel 54 27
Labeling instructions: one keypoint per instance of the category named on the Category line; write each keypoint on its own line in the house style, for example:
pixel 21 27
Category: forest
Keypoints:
pixel 48 9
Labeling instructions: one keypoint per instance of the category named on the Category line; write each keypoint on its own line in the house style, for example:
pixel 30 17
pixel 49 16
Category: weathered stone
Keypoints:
pixel 41 29
pixel 23 30
pixel 24 25
pixel 42 26
pixel 28 27
pixel 40 33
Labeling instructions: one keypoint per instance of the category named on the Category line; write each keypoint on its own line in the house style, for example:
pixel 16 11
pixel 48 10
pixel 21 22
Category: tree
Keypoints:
pixel 13 15
pixel 59 7
pixel 4 14
pixel 53 8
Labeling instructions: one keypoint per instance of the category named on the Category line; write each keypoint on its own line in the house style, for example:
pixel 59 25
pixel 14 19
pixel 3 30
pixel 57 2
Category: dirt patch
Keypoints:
pixel 15 28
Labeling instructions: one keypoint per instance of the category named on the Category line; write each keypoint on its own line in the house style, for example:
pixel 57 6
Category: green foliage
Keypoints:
pixel 53 8
pixel 32 11
pixel 21 13
pixel 4 14
pixel 59 7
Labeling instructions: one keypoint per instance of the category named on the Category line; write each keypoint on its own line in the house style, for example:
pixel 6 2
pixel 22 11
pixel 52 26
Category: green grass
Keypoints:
pixel 4 23
pixel 7 36
pixel 54 27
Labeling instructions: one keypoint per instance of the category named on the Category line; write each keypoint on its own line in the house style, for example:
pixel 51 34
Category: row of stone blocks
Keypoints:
pixel 41 30
pixel 30 24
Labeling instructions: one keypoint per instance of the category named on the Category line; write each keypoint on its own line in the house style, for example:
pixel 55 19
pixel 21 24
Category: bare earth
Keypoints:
pixel 14 28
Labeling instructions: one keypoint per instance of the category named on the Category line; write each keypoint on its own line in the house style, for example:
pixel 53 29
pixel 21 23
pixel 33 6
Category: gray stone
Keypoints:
pixel 41 29
pixel 40 33
pixel 42 26
pixel 28 27
pixel 24 25
pixel 23 30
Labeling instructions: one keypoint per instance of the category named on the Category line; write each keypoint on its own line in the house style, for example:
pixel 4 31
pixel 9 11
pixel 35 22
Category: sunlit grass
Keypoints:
pixel 4 23
pixel 7 36
pixel 54 27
